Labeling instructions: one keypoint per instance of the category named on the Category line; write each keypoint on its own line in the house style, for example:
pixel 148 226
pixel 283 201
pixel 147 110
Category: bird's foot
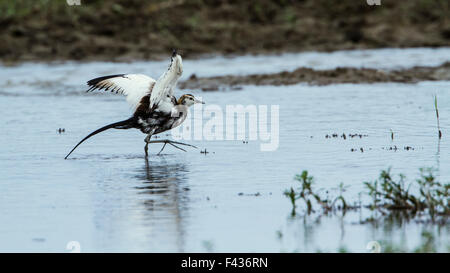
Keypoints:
pixel 159 153
pixel 171 142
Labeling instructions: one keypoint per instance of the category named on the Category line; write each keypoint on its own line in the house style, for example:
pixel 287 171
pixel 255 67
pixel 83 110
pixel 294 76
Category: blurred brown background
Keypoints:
pixel 127 30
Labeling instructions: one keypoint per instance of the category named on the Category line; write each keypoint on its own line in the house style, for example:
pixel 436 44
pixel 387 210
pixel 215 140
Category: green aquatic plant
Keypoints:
pixel 292 196
pixel 434 196
pixel 392 195
pixel 305 192
pixel 342 188
pixel 373 193
pixel 310 196
pixel 395 194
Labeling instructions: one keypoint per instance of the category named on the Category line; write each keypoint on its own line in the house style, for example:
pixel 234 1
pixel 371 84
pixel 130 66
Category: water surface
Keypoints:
pixel 108 197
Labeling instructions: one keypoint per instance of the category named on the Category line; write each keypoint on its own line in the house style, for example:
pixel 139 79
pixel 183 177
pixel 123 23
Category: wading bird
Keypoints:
pixel 156 109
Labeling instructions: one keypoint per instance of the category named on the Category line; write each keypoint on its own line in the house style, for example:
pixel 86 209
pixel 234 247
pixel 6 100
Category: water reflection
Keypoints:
pixel 394 233
pixel 165 190
pixel 110 199
pixel 438 157
pixel 141 205
pixel 163 179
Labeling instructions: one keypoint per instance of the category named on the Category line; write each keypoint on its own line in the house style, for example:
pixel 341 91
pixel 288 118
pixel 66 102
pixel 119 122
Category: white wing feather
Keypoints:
pixel 133 86
pixel 164 87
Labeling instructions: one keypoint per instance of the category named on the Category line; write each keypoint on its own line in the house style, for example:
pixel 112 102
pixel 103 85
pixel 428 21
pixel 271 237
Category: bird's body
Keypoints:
pixel 156 109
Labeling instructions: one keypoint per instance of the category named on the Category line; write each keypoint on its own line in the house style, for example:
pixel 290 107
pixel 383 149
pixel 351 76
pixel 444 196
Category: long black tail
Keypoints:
pixel 124 124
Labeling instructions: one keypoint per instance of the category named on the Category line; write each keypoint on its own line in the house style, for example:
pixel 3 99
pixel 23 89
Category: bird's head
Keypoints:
pixel 188 100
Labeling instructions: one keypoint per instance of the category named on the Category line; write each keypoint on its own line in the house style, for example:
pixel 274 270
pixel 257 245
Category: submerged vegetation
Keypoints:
pixel 309 196
pixel 388 194
pixel 428 244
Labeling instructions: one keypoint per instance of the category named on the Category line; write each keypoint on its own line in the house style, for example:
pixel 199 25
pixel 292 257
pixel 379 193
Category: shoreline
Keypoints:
pixel 320 77
pixel 52 31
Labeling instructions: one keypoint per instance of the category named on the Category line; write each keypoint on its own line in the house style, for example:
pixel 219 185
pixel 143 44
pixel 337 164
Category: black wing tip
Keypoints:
pixel 99 79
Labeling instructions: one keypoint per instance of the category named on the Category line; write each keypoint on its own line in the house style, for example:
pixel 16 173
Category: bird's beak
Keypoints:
pixel 199 101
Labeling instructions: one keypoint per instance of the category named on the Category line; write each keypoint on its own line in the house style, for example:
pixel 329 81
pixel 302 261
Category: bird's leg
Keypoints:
pixel 147 141
pixel 146 149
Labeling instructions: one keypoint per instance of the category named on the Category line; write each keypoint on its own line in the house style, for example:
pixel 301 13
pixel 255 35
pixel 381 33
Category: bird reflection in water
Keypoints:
pixel 164 184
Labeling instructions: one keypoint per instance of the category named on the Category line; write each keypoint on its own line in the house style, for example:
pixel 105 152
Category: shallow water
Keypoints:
pixel 109 198
pixel 71 73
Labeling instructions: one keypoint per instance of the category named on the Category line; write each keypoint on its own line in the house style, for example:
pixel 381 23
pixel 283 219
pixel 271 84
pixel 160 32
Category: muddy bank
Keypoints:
pixel 320 77
pixel 130 30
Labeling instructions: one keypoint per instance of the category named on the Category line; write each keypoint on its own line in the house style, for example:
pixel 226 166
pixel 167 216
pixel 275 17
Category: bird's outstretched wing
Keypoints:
pixel 165 85
pixel 134 86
